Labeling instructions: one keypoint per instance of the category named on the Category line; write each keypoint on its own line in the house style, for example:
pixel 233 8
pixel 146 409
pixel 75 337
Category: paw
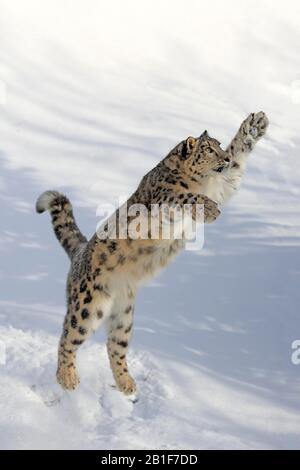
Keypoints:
pixel 211 211
pixel 126 384
pixel 67 377
pixel 254 127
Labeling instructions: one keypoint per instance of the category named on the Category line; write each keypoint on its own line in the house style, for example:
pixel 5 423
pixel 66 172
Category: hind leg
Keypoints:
pixel 79 324
pixel 67 375
pixel 119 332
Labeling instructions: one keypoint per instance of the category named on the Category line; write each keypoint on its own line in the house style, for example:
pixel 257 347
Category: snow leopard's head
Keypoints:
pixel 203 156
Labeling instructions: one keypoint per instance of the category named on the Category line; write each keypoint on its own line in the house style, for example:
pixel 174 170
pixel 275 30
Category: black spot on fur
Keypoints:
pixel 73 321
pixel 112 247
pixel 82 330
pixel 184 185
pixel 123 344
pixel 88 298
pixel 170 180
pixel 55 212
pixel 128 329
pixel 57 228
pixel 103 258
pixel 99 314
pixel 77 342
pixel 83 286
pixel 96 273
pixel 128 309
pixel 85 313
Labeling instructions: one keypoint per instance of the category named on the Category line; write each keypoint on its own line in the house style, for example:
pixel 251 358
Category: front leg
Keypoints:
pixel 173 199
pixel 249 133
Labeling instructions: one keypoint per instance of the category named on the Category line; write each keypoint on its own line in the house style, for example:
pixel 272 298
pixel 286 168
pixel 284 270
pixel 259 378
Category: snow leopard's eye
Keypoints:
pixel 209 150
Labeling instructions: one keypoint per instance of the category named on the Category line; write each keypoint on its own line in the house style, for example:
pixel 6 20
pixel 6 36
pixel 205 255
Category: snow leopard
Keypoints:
pixel 105 273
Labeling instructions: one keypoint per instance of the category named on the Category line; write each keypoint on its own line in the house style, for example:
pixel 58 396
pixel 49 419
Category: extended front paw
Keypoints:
pixel 253 128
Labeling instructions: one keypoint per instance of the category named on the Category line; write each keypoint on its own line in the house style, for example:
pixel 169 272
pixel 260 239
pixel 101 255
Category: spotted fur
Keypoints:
pixel 64 225
pixel 105 273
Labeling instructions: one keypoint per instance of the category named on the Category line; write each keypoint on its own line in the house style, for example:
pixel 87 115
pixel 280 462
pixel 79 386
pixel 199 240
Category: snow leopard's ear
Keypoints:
pixel 190 143
pixel 187 148
pixel 204 135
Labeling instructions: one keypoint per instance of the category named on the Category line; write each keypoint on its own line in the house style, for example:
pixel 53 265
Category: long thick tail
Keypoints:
pixel 64 224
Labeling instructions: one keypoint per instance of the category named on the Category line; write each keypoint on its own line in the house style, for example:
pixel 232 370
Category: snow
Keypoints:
pixel 92 95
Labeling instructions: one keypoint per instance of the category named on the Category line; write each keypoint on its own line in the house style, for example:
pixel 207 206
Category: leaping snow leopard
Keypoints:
pixel 105 273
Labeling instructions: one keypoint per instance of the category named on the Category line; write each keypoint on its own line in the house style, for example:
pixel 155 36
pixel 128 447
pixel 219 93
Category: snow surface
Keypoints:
pixel 92 95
